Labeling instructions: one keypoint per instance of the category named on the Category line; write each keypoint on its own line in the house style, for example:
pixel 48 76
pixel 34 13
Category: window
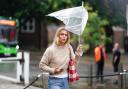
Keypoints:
pixel 29 27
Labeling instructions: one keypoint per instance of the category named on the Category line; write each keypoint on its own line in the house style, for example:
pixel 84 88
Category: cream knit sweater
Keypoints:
pixel 56 56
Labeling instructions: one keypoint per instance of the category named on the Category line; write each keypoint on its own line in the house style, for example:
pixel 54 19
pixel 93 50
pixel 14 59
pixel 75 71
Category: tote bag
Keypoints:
pixel 72 72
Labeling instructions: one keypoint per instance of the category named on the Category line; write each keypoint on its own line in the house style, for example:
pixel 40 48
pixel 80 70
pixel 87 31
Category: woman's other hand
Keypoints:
pixel 79 51
pixel 58 70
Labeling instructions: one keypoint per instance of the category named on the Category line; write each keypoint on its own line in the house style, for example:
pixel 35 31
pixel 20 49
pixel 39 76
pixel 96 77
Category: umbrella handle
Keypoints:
pixel 80 43
pixel 80 40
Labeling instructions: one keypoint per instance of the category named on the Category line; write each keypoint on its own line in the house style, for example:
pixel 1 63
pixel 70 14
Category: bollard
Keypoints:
pixel 26 57
pixel 120 78
pixel 45 76
pixel 124 79
pixel 91 74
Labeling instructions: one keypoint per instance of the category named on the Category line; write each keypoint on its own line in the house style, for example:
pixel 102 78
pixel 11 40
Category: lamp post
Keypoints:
pixel 126 37
pixel 127 17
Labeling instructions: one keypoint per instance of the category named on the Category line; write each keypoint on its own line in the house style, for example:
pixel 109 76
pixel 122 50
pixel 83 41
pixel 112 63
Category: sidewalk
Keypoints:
pixel 34 71
pixel 4 84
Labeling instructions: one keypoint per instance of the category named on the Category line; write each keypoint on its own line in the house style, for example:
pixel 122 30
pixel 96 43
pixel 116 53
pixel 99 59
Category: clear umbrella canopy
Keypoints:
pixel 75 18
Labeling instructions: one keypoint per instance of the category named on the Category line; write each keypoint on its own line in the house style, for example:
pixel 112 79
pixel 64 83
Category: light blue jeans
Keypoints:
pixel 58 83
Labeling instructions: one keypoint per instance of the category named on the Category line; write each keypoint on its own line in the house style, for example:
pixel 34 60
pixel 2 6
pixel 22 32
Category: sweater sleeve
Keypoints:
pixel 45 60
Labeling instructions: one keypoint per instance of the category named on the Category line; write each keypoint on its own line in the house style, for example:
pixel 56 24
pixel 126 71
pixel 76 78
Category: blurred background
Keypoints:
pixel 26 27
pixel 107 21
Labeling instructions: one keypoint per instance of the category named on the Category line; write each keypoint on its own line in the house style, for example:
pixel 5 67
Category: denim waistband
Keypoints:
pixel 57 77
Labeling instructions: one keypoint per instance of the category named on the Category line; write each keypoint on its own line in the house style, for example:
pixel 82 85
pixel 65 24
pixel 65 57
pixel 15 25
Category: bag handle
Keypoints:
pixel 74 61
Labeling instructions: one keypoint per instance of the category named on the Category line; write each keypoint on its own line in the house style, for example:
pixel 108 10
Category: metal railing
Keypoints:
pixel 122 78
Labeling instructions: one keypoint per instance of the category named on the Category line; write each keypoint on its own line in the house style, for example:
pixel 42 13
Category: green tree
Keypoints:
pixel 22 8
pixel 113 10
pixel 40 8
pixel 34 8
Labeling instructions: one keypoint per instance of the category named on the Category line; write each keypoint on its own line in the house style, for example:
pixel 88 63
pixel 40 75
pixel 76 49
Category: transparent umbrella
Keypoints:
pixel 75 18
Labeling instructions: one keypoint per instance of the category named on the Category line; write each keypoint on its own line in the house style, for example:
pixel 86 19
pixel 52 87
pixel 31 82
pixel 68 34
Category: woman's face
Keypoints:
pixel 63 36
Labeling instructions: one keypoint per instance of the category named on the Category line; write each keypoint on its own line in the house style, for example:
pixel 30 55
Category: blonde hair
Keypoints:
pixel 56 38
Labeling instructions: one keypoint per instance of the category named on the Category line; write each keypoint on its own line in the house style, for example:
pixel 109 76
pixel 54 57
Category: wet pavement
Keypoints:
pixel 4 84
pixel 84 66
pixel 11 72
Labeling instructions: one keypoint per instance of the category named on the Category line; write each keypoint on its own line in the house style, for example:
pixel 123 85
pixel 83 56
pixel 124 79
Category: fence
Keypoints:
pixel 121 78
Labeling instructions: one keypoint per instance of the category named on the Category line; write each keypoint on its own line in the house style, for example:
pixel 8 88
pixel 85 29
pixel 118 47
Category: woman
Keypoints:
pixel 56 58
pixel 116 57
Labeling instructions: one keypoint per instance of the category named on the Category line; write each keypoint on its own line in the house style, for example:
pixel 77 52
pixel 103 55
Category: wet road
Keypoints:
pixel 83 70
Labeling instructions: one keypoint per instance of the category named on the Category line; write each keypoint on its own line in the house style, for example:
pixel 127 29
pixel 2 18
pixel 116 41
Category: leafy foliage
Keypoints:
pixel 93 34
pixel 113 10
pixel 22 8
